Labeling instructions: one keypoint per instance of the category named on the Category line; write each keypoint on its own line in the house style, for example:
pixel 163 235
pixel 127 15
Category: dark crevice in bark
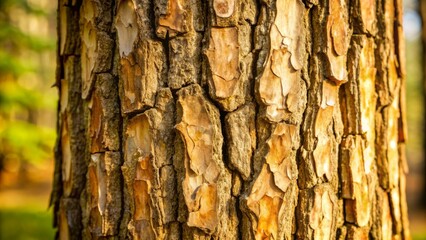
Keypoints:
pixel 252 92
pixel 306 119
pixel 225 157
pixel 240 217
pixel 396 39
pixel 120 136
pixel 204 71
pixel 174 93
pixel 166 47
pixel 115 69
pixel 136 112
pixel 152 18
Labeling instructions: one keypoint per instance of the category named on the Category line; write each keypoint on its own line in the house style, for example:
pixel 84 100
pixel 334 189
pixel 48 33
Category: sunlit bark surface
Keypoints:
pixel 230 119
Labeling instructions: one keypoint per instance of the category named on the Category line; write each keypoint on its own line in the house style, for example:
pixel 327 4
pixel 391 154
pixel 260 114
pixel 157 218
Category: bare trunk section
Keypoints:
pixel 230 119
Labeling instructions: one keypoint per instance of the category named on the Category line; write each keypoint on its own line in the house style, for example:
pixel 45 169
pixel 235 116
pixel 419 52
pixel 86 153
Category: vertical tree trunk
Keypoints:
pixel 230 119
pixel 422 12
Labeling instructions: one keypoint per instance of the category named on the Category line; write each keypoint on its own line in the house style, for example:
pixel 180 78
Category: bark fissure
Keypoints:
pixel 230 119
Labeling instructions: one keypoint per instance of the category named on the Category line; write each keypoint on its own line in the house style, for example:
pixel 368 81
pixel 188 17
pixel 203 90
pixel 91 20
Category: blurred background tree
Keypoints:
pixel 27 66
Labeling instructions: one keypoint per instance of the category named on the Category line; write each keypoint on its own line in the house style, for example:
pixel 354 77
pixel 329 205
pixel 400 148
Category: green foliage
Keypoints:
pixel 419 236
pixel 32 143
pixel 15 38
pixel 13 65
pixel 26 224
pixel 27 43
pixel 13 95
pixel 415 107
pixel 26 5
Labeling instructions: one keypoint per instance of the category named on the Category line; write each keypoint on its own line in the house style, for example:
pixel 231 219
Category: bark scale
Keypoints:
pixel 230 119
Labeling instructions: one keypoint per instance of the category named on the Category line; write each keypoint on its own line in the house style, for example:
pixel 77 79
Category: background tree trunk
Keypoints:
pixel 422 11
pixel 230 119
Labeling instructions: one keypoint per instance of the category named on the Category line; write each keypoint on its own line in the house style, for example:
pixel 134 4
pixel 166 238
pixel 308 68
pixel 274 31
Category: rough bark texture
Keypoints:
pixel 230 119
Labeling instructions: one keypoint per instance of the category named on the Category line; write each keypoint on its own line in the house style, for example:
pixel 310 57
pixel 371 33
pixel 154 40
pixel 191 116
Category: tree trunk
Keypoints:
pixel 230 119
pixel 422 12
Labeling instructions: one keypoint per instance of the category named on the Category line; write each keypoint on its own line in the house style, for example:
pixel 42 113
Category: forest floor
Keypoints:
pixel 24 210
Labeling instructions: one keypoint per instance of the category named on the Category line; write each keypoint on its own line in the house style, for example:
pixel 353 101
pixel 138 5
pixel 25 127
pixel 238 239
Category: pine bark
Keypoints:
pixel 230 119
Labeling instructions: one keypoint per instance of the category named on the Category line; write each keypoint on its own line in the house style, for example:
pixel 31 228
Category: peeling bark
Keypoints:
pixel 104 201
pixel 272 198
pixel 319 220
pixel 147 160
pixel 224 61
pixel 174 20
pixel 104 116
pixel 230 119
pixel 280 87
pixel 205 175
pixel 141 58
pixel 337 41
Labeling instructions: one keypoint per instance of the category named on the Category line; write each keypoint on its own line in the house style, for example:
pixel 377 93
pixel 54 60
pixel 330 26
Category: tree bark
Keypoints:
pixel 230 119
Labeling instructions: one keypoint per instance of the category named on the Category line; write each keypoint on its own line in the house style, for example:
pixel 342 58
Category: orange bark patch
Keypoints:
pixel 205 204
pixel 138 147
pixel 265 202
pixel 280 148
pixel 66 157
pixel 141 72
pixel 322 151
pixel 356 186
pixel 174 21
pixel 89 47
pixel 201 171
pixel 141 191
pixel 267 195
pixel 267 227
pixel 279 86
pixel 368 14
pixel 223 56
pixel 338 41
pixel 367 81
pixel 321 216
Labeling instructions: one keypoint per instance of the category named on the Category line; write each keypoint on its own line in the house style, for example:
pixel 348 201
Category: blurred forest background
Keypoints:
pixel 28 105
pixel 27 117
